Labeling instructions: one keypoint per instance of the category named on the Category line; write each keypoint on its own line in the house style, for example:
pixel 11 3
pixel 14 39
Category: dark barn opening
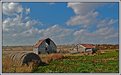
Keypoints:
pixel 48 41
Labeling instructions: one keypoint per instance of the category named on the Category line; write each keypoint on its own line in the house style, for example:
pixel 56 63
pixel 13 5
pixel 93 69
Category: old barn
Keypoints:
pixel 84 47
pixel 45 46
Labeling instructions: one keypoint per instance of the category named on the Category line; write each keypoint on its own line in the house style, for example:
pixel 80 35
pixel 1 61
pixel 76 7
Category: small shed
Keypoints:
pixel 84 47
pixel 45 46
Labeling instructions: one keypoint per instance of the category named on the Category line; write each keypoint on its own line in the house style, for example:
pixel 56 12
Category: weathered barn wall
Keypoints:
pixel 35 50
pixel 42 47
pixel 81 48
pixel 45 46
pixel 53 47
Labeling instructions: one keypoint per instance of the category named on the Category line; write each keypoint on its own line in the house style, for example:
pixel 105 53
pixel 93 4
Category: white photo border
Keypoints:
pixel 1 1
pixel 0 37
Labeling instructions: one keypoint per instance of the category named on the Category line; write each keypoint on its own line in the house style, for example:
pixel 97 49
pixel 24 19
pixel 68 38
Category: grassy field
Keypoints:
pixel 103 61
pixel 74 63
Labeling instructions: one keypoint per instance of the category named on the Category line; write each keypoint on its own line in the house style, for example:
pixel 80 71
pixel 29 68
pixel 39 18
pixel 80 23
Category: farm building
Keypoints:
pixel 45 46
pixel 84 47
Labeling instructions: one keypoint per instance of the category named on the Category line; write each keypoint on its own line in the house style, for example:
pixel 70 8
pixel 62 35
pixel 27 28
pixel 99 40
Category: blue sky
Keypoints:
pixel 50 13
pixel 65 23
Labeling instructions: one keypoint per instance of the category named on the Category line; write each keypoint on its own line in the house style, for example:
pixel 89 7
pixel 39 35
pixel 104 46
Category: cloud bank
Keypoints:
pixel 20 29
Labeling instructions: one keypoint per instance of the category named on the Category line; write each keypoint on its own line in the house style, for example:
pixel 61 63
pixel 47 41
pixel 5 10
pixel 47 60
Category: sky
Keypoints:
pixel 25 23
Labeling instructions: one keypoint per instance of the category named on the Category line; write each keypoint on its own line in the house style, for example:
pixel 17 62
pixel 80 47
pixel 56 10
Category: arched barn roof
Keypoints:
pixel 41 41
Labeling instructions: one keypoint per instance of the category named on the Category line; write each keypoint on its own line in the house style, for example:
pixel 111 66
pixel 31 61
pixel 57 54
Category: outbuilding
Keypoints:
pixel 45 46
pixel 84 47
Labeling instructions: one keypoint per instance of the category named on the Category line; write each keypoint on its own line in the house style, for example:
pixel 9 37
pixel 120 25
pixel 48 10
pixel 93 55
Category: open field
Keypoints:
pixel 17 48
pixel 60 48
pixel 101 62
pixel 74 63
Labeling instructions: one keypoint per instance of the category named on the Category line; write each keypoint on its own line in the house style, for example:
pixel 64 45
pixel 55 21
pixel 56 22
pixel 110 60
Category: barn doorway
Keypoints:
pixel 48 41
pixel 48 47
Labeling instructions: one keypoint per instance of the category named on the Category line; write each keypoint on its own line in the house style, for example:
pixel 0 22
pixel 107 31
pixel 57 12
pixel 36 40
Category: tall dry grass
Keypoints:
pixel 8 66
pixel 50 57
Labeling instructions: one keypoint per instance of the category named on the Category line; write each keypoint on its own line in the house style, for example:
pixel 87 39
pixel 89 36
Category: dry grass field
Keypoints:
pixel 17 48
pixel 102 61
pixel 8 66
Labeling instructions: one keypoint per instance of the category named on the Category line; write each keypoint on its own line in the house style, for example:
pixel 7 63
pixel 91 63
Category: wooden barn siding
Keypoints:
pixel 35 50
pixel 81 48
pixel 53 46
pixel 43 46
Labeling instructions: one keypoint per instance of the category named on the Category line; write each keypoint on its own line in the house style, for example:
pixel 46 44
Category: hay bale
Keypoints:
pixel 31 57
pixel 24 58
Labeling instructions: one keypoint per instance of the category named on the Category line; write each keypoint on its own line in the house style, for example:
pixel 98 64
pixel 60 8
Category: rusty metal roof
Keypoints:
pixel 88 45
pixel 39 43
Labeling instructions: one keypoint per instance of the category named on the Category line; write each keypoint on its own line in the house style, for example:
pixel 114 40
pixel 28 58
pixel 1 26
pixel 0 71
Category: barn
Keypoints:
pixel 84 47
pixel 45 46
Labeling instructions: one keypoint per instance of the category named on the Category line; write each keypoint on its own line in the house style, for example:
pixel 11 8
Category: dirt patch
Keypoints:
pixel 103 60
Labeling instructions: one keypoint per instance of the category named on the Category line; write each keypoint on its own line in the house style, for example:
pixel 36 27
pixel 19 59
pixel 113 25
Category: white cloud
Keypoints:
pixel 99 36
pixel 82 8
pixel 80 32
pixel 85 13
pixel 16 26
pixel 83 20
pixel 20 30
pixel 86 16
pixel 59 34
pixel 52 3
pixel 55 31
pixel 12 8
pixel 106 22
pixel 69 36
pixel 27 10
